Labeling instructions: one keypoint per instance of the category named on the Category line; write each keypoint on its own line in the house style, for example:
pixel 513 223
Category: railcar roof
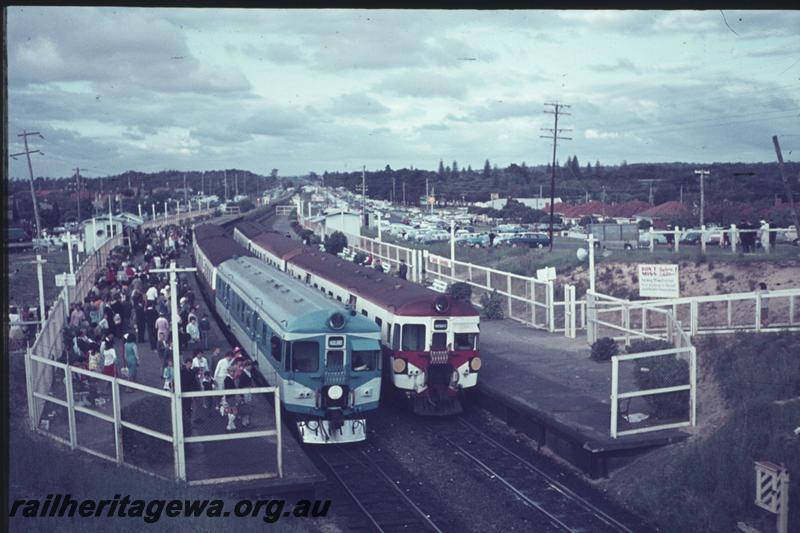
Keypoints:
pixel 203 231
pixel 249 229
pixel 284 298
pixel 219 248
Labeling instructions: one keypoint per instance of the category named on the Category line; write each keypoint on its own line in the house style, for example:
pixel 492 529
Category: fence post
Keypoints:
pixel 572 317
pixel 758 310
pixel 652 241
pixel 591 317
pixel 29 383
pixel 551 306
pixel 694 319
pixel 626 322
pixel 614 402
pixel 734 237
pixel 791 310
pixel 73 437
pixel 508 292
pixel 278 426
pixel 117 407
pixel 703 238
pixel 677 238
pixel 693 383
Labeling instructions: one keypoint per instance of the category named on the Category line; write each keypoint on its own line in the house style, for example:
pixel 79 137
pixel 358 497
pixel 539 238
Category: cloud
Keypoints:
pixel 622 65
pixel 356 104
pixel 591 133
pixel 428 84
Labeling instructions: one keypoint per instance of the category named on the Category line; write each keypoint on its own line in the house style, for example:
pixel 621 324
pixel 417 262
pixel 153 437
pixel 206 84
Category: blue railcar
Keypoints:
pixel 324 357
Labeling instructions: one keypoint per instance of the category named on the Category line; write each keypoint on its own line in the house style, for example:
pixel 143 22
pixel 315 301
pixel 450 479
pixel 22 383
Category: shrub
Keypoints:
pixel 661 371
pixel 604 349
pixel 335 242
pixel 492 306
pixel 359 258
pixel 460 291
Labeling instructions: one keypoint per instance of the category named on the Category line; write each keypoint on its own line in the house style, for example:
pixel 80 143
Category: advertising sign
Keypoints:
pixel 659 281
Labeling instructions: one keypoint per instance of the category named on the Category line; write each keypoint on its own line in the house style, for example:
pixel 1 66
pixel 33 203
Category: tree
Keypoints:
pixel 487 169
pixel 441 168
pixel 455 168
pixel 335 243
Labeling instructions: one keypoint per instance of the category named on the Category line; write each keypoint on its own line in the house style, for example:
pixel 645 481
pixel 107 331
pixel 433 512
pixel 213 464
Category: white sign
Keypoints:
pixel 65 279
pixel 546 274
pixel 659 281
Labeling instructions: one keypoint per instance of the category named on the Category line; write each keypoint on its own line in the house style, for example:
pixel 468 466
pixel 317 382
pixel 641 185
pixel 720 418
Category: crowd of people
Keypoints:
pixel 129 305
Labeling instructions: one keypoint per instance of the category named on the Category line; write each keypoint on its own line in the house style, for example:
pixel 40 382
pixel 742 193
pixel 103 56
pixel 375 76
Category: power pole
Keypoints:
pixel 651 193
pixel 244 183
pixel 363 189
pixel 203 183
pixel 681 197
pixel 394 195
pixel 603 203
pixel 236 183
pixel 404 193
pixel 225 177
pixel 786 184
pixel 27 153
pixel 702 174
pixel 185 191
pixel 557 110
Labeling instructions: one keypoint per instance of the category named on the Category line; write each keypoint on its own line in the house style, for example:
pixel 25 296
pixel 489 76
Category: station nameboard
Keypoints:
pixel 659 281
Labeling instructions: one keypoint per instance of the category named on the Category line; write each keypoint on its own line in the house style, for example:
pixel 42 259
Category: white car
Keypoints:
pixel 658 238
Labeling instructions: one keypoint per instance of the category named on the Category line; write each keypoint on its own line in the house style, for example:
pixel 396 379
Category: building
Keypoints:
pixel 99 229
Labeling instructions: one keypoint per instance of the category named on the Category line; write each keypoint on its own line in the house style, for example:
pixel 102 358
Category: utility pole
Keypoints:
pixel 786 183
pixel 394 195
pixel 681 197
pixel 363 189
pixel 244 183
pixel 203 182
pixel 225 177
pixel 702 174
pixel 236 183
pixel 27 153
pixel 603 203
pixel 185 191
pixel 651 193
pixel 557 110
pixel 404 193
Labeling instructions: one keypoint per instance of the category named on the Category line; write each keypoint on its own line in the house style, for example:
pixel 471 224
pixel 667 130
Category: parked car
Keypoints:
pixel 658 238
pixel 475 240
pixel 691 237
pixel 789 236
pixel 529 239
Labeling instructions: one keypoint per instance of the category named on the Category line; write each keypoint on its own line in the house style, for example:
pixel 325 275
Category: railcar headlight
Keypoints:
pixel 399 366
pixel 336 321
pixel 335 392
pixel 475 364
pixel 441 304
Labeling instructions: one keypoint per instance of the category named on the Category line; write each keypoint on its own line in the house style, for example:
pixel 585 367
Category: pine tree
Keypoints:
pixel 441 167
pixel 487 169
pixel 455 168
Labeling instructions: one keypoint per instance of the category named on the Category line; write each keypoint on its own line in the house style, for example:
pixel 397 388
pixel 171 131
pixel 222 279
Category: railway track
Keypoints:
pixel 377 503
pixel 558 507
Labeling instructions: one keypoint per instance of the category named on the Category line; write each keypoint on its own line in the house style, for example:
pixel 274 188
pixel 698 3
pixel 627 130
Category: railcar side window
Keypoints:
pixel 276 347
pixel 363 361
pixel 396 337
pixel 413 338
pixel 466 341
pixel 335 360
pixel 305 356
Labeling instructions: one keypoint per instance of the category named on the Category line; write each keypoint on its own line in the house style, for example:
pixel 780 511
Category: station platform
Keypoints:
pixel 546 386
pixel 240 466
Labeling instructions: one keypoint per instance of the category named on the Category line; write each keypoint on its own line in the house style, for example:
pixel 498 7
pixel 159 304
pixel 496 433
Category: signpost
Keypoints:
pixel 659 281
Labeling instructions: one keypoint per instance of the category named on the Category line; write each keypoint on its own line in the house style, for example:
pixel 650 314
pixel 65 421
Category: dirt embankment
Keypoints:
pixel 697 278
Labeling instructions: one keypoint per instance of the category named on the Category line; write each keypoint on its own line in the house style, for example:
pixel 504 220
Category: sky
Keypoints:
pixel 147 89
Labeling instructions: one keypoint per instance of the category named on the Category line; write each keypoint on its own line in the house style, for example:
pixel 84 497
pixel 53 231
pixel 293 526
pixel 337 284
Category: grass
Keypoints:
pixel 709 485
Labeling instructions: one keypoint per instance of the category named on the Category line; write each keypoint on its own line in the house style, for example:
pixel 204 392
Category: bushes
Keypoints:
pixel 460 291
pixel 359 258
pixel 661 371
pixel 335 243
pixel 492 306
pixel 604 349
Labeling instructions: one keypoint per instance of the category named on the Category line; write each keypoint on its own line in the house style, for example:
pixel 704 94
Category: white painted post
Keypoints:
pixel 614 401
pixel 730 313
pixel 626 323
pixel 694 318
pixel 117 407
pixel 591 317
pixel 791 310
pixel 73 437
pixel 703 239
pixel 380 233
pixel 29 387
pixel 140 210
pixel 652 241
pixel 508 292
pixel 453 252
pixel 591 263
pixel 40 280
pixel 677 238
pixel 693 383
pixel 758 310
pixel 765 238
pixel 278 426
pixel 154 210
pixel 734 236
pixel 165 210
pixel 551 306
pixel 783 513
